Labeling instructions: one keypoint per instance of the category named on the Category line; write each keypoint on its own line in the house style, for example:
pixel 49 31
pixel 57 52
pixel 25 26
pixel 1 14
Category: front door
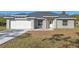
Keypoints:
pixel 40 23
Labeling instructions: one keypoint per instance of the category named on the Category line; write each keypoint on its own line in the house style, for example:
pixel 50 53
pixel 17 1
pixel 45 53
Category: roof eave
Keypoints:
pixel 50 16
pixel 65 18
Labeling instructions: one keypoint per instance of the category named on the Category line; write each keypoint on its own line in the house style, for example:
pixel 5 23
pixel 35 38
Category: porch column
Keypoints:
pixel 45 24
pixel 7 24
pixel 32 23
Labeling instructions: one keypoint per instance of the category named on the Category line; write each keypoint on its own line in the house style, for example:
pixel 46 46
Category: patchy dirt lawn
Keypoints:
pixel 59 38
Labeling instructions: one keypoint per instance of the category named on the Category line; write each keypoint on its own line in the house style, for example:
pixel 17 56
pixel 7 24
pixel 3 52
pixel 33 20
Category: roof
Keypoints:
pixel 42 13
pixel 65 16
pixel 5 15
pixel 21 14
pixel 39 14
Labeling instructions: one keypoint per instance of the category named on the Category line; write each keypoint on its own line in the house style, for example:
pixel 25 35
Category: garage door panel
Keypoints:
pixel 20 24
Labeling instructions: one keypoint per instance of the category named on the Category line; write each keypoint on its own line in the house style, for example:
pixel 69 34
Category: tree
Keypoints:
pixel 75 16
pixel 64 13
pixel 2 21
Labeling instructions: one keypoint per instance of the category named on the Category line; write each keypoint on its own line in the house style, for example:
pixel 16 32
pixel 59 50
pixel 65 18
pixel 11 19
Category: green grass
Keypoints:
pixel 2 27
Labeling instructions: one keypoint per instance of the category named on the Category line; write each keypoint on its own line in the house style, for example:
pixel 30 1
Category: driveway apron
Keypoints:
pixel 7 35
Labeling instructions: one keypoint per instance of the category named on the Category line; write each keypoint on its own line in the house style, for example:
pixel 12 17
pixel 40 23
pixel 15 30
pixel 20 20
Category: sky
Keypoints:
pixel 27 12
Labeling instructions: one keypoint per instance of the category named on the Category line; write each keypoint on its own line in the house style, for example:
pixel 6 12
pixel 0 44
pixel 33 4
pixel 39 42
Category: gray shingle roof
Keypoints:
pixel 5 15
pixel 21 14
pixel 42 13
pixel 39 14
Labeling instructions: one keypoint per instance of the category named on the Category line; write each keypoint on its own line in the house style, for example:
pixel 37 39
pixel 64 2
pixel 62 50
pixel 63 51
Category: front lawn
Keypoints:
pixel 59 38
pixel 2 27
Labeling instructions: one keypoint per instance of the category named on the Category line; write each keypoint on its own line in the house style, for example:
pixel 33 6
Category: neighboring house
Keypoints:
pixel 39 20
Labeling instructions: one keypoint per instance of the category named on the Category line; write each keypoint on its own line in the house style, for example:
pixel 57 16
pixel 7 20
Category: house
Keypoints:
pixel 39 20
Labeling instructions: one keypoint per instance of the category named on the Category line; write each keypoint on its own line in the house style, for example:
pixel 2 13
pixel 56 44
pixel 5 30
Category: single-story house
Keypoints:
pixel 39 20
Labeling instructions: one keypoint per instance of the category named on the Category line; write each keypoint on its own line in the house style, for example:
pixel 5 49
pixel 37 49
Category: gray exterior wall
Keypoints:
pixel 32 24
pixel 45 24
pixel 60 24
pixel 35 23
pixel 54 25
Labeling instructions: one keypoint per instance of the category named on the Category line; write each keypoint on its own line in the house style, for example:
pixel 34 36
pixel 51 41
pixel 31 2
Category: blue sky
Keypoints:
pixel 27 12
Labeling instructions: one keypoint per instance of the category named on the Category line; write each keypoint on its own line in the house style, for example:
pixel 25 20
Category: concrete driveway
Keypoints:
pixel 7 35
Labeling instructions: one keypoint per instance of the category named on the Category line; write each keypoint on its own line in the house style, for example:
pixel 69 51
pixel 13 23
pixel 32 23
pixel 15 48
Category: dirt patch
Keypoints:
pixel 49 33
pixel 59 38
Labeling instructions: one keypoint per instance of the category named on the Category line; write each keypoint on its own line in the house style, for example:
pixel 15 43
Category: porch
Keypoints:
pixel 43 24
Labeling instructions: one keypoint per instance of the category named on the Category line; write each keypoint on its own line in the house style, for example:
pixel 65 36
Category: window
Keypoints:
pixel 65 22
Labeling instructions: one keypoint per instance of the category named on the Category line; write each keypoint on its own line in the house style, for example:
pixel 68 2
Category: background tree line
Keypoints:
pixel 73 15
pixel 2 21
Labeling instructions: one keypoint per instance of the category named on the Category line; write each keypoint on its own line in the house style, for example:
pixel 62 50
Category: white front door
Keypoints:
pixel 20 24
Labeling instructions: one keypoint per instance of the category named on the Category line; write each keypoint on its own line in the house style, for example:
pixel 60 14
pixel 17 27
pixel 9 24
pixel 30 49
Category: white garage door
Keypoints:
pixel 20 24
